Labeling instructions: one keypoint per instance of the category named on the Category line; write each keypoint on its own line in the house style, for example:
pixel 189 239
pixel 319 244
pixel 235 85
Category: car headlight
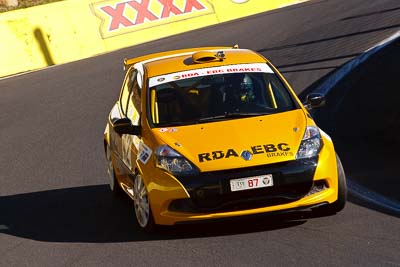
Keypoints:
pixel 310 144
pixel 173 162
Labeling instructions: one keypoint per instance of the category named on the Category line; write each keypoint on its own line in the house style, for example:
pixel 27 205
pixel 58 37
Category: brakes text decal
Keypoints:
pixel 119 17
pixel 269 150
pixel 239 68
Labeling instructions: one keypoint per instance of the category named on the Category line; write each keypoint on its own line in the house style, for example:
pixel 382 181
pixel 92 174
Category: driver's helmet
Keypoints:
pixel 239 88
pixel 246 89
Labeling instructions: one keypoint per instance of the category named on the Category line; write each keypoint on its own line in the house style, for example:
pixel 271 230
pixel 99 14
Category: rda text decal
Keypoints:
pixel 119 17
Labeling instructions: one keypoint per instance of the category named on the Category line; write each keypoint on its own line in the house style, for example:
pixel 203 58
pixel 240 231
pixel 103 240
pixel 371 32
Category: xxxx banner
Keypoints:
pixel 120 17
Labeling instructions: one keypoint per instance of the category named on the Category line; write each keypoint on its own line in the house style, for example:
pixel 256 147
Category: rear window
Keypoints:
pixel 217 94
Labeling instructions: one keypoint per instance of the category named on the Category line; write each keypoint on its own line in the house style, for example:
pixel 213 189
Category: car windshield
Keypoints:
pixel 216 97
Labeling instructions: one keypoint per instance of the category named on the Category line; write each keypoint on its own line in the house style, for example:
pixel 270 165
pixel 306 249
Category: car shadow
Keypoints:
pixel 91 214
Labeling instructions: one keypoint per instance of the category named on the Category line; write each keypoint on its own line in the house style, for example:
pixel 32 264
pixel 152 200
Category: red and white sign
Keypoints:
pixel 120 17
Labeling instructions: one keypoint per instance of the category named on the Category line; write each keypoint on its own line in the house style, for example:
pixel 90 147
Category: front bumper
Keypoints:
pixel 210 192
pixel 208 196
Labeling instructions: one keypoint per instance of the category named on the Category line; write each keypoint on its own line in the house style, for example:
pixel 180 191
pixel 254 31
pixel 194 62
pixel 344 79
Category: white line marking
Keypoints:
pixel 3 227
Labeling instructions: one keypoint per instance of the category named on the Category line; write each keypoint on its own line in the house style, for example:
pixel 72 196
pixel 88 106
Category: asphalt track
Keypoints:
pixel 55 208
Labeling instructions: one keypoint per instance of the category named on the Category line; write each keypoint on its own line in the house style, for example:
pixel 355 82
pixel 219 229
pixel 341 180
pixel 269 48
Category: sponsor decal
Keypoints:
pixel 269 150
pixel 239 68
pixel 144 153
pixel 119 17
pixel 168 130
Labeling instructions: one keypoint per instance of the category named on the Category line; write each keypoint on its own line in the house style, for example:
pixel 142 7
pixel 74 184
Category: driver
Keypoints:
pixel 238 90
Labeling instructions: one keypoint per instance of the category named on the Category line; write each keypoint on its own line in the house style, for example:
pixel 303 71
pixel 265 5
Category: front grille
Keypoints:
pixel 210 191
pixel 234 201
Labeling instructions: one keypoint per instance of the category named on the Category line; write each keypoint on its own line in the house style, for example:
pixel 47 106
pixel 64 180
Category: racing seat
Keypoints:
pixel 203 102
pixel 170 106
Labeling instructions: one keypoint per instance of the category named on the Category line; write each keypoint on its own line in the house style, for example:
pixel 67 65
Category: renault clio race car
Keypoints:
pixel 215 132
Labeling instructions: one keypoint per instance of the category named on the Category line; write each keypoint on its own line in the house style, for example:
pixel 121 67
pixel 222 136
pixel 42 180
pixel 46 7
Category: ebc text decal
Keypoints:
pixel 270 150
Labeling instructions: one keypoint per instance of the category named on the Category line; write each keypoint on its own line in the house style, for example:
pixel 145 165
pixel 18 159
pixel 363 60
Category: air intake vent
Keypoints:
pixel 208 56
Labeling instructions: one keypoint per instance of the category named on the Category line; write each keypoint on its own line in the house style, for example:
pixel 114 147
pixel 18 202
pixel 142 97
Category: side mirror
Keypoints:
pixel 124 126
pixel 315 100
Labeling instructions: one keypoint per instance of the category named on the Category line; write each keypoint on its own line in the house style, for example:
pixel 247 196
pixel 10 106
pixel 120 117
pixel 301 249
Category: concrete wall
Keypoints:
pixel 69 30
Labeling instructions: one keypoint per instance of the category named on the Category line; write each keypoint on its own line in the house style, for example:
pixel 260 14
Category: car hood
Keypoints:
pixel 238 143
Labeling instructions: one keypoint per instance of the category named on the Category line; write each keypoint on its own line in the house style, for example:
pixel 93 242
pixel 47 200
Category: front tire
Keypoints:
pixel 144 216
pixel 340 203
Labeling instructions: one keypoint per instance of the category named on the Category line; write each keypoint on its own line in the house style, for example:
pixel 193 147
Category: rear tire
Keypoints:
pixel 340 203
pixel 113 182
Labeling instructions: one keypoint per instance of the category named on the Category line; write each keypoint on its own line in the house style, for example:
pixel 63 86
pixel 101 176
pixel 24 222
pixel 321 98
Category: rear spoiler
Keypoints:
pixel 127 64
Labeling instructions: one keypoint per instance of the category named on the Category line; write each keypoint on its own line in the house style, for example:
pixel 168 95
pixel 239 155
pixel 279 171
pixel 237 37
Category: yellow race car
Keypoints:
pixel 216 132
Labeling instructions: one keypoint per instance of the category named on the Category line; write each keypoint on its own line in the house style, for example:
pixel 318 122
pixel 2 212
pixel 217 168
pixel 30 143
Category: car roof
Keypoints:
pixel 193 58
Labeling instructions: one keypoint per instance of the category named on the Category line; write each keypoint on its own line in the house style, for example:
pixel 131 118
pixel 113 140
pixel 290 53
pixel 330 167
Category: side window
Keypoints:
pixel 125 92
pixel 134 100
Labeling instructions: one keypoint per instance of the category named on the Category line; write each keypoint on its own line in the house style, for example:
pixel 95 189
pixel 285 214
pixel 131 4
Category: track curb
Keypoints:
pixel 374 199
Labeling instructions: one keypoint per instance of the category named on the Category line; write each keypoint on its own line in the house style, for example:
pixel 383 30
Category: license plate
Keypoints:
pixel 251 182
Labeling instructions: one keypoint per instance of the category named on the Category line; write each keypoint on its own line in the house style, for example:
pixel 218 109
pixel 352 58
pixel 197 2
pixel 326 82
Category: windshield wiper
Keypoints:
pixel 233 115
pixel 174 123
pixel 226 115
